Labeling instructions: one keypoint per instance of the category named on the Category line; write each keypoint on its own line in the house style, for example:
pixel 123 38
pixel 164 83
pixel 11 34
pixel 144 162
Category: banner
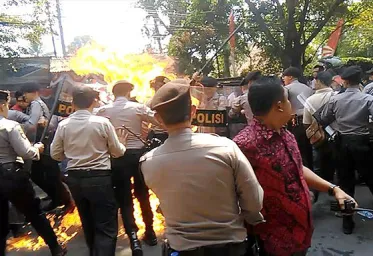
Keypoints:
pixel 331 47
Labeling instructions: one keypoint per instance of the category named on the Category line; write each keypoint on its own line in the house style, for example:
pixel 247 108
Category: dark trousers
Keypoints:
pixel 47 175
pixel 124 168
pixel 297 128
pixel 15 187
pixel 327 163
pixel 94 197
pixel 354 153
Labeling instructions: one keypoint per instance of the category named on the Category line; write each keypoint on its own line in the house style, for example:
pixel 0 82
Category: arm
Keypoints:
pixel 148 115
pixel 235 111
pixel 327 115
pixel 249 191
pixel 322 185
pixel 57 147
pixel 116 149
pixel 18 116
pixel 307 116
pixel 22 145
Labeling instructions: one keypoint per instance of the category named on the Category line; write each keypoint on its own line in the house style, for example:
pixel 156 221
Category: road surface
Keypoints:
pixel 328 239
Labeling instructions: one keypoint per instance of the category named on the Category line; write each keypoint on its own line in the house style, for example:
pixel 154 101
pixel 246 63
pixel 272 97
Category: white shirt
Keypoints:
pixel 87 141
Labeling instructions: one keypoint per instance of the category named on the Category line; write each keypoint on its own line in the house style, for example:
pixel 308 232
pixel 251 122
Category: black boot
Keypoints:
pixel 135 244
pixel 150 238
pixel 348 224
pixel 60 250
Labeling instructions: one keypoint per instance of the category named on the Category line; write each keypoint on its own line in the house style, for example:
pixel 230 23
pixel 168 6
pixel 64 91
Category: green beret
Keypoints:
pixel 171 95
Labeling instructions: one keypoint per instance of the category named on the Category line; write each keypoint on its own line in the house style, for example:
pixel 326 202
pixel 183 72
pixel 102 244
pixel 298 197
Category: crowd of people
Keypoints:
pixel 246 196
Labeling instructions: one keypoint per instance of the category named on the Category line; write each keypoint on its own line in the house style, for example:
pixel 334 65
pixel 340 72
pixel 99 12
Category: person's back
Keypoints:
pixel 296 88
pixel 352 109
pixel 84 133
pixel 127 113
pixel 205 185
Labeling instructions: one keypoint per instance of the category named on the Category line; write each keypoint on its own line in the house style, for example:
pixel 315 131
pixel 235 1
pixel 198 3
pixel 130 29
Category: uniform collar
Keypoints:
pixel 121 99
pixel 349 89
pixel 180 132
pixel 324 90
pixel 82 112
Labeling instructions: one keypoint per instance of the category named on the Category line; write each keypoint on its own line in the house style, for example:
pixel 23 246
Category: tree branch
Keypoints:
pixel 320 26
pixel 302 18
pixel 263 25
pixel 279 9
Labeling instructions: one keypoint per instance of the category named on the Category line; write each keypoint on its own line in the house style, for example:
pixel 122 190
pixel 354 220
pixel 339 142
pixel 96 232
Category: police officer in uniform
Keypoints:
pixel 15 186
pixel 132 115
pixel 88 141
pixel 46 172
pixel 295 126
pixel 241 104
pixel 350 110
pixel 204 183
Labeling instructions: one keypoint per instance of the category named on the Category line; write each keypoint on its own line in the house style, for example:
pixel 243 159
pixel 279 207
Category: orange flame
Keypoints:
pixel 138 69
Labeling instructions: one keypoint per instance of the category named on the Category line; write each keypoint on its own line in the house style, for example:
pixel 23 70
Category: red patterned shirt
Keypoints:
pixel 278 166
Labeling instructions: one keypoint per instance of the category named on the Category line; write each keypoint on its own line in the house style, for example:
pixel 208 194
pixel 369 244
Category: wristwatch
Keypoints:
pixel 331 189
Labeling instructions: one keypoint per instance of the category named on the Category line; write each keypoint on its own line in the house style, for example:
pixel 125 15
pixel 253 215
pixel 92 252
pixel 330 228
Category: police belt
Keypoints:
pixel 231 248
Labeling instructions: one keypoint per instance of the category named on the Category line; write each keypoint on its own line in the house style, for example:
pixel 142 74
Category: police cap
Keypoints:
pixel 171 95
pixel 351 73
pixel 31 87
pixel 370 72
pixel 251 76
pixel 122 85
pixel 4 95
pixel 292 71
pixel 209 82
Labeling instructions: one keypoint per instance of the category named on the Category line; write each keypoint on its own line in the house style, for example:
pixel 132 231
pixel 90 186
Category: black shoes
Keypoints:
pixel 150 238
pixel 60 250
pixel 135 245
pixel 348 224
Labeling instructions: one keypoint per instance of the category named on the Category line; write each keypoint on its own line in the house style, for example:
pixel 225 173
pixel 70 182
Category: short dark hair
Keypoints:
pixel 292 71
pixel 263 93
pixel 181 114
pixel 84 96
pixel 325 77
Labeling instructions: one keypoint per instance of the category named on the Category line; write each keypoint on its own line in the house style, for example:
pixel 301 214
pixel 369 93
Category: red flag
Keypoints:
pixel 232 26
pixel 330 48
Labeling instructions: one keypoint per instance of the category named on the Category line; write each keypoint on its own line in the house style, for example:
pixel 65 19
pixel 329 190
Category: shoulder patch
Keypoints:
pixel 20 130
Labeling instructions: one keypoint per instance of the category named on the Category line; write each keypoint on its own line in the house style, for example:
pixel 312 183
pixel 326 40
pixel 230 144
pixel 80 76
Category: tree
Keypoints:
pixel 35 49
pixel 14 29
pixel 78 42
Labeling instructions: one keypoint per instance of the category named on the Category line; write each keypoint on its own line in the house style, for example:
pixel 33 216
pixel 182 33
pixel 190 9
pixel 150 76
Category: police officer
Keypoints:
pixel 241 104
pixel 350 110
pixel 88 141
pixel 132 115
pixel 15 186
pixel 46 172
pixel 295 126
pixel 200 179
pixel 212 100
pixel 369 87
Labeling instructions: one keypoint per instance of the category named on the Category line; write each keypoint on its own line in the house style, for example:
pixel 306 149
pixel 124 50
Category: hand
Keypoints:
pixel 122 135
pixel 197 77
pixel 42 121
pixel 40 147
pixel 341 196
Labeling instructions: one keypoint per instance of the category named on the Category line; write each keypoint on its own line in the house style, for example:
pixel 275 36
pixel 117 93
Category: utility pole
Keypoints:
pixel 61 29
pixel 51 27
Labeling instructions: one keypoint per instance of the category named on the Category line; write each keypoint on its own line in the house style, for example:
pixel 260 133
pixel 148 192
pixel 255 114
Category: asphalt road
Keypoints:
pixel 328 239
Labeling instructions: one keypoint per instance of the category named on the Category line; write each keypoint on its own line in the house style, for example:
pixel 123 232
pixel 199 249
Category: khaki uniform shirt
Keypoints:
pixel 87 141
pixel 296 88
pixel 315 102
pixel 14 144
pixel 130 114
pixel 206 188
pixel 350 110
